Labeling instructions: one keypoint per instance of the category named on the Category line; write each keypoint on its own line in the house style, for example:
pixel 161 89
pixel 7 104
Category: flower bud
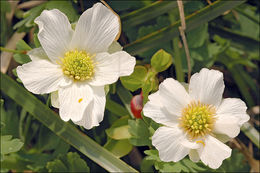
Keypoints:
pixel 137 105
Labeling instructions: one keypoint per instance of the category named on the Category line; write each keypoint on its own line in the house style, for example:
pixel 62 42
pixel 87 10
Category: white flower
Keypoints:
pixel 74 66
pixel 197 122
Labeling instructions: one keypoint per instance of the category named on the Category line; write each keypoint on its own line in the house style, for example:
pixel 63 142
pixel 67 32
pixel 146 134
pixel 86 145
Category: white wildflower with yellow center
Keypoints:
pixel 196 122
pixel 74 66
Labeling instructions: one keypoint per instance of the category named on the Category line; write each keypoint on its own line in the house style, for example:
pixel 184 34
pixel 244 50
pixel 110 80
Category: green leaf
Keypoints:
pixel 9 145
pixel 68 163
pixel 140 133
pixel 118 133
pixel 197 36
pixel 136 79
pixel 125 97
pixel 66 131
pixel 56 166
pixel 192 21
pixel 152 155
pixel 116 108
pixel 121 121
pixel 161 60
pixel 21 58
pixel 22 45
pixel 119 148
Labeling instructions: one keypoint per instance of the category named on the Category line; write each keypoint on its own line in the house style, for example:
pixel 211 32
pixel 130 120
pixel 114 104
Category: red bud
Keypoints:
pixel 137 105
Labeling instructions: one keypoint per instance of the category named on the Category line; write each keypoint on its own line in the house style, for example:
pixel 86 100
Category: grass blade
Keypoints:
pixel 66 131
pixel 148 12
pixel 192 21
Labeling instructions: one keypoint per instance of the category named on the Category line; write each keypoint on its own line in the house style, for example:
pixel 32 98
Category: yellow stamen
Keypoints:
pixel 78 65
pixel 80 100
pixel 198 119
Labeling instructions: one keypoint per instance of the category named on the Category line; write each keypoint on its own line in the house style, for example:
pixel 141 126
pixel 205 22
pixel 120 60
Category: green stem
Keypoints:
pixel 12 50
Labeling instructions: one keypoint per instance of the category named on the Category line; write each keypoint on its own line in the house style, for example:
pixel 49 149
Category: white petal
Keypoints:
pixel 233 107
pixel 55 33
pixel 173 96
pixel 37 54
pixel 94 113
pixel 155 110
pixel 96 29
pixel 207 86
pixel 55 99
pixel 231 114
pixel 167 140
pixel 41 77
pixel 74 100
pixel 214 152
pixel 126 63
pixel 227 125
pixel 110 66
pixel 114 47
pixel 194 156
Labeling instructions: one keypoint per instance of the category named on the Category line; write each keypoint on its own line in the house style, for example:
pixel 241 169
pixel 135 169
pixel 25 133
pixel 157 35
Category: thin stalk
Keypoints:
pixel 12 50
pixel 182 29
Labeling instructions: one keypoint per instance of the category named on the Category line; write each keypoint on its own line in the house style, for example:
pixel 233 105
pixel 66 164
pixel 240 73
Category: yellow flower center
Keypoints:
pixel 78 65
pixel 198 119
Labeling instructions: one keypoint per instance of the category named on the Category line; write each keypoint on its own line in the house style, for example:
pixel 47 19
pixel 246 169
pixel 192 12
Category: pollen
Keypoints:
pixel 80 100
pixel 78 65
pixel 198 119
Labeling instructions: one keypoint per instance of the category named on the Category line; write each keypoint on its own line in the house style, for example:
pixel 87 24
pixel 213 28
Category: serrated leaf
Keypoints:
pixel 56 166
pixel 161 60
pixel 119 148
pixel 71 162
pixel 136 79
pixel 152 155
